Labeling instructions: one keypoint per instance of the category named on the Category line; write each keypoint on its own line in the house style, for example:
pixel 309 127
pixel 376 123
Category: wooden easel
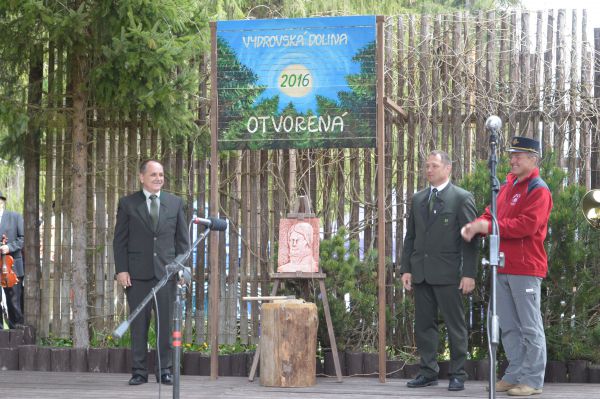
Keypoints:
pixel 303 205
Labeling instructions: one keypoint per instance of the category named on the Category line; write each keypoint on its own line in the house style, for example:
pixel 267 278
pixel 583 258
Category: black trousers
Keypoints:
pixel 447 300
pixel 140 325
pixel 13 304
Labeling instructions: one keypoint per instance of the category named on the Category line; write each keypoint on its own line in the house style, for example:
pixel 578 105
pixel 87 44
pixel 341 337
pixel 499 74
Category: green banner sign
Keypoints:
pixel 296 83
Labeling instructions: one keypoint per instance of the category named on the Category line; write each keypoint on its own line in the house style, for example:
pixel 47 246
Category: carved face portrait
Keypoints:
pixel 298 245
pixel 300 239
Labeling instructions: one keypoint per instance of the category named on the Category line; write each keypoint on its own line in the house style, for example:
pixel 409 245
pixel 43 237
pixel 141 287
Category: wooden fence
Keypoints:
pixel 445 74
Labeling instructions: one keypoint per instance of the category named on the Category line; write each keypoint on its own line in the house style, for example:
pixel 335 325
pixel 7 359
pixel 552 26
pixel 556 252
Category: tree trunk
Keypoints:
pixel 44 325
pixel 80 307
pixel 288 344
pixel 101 238
pixel 31 192
pixel 58 221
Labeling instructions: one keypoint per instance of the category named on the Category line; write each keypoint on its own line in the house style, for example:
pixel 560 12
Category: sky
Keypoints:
pixel 592 7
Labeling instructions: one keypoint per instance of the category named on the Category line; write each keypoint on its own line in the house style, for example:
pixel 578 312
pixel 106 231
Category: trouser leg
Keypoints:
pixel 139 326
pixel 449 299
pixel 163 324
pixel 526 291
pixel 426 329
pixel 512 340
pixel 13 304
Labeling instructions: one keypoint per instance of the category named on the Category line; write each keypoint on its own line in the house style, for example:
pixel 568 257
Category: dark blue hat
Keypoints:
pixel 524 144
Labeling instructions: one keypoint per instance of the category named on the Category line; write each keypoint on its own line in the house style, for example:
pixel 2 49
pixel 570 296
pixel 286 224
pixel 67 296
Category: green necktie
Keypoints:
pixel 432 198
pixel 154 210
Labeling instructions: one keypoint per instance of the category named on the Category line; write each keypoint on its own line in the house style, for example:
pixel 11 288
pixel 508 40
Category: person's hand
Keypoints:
pixel 407 281
pixel 478 226
pixel 4 249
pixel 123 279
pixel 467 285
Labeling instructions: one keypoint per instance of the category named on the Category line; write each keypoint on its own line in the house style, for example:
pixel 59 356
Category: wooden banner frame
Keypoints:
pixel 214 207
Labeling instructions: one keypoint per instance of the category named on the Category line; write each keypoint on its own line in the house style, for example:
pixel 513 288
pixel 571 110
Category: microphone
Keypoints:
pixel 493 124
pixel 212 223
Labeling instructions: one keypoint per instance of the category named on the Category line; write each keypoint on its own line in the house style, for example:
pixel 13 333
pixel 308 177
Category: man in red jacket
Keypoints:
pixel 524 205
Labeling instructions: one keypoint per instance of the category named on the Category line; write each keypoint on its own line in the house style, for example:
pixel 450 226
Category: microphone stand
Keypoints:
pixel 171 269
pixel 496 257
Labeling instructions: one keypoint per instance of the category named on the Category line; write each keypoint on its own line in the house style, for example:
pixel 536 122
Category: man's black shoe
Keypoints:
pixel 456 384
pixel 166 379
pixel 137 379
pixel 421 381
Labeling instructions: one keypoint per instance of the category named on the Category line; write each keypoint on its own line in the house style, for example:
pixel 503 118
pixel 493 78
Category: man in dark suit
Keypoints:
pixel 150 232
pixel 11 225
pixel 439 266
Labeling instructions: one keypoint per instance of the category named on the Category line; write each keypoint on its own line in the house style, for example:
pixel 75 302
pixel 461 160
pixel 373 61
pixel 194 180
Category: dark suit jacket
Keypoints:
pixel 434 251
pixel 12 225
pixel 140 249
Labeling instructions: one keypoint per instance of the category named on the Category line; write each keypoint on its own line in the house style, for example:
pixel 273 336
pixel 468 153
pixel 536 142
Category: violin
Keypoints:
pixel 8 278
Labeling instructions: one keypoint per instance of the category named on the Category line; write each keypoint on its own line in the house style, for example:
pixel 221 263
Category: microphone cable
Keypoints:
pixel 157 342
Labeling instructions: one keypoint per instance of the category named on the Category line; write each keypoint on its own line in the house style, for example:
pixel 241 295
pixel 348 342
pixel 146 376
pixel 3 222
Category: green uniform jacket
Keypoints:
pixel 434 251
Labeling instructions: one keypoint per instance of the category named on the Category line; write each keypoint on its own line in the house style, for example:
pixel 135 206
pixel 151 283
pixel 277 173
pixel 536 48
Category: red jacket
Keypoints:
pixel 523 213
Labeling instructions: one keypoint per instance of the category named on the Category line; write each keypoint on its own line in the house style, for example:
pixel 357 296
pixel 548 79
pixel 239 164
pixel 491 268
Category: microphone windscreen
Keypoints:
pixel 218 224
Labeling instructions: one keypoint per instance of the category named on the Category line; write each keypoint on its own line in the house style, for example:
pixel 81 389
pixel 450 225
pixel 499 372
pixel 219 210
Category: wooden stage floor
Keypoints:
pixel 50 385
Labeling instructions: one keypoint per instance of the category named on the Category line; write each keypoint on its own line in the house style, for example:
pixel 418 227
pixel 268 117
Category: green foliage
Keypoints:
pixel 238 347
pixel 57 342
pixel 11 185
pixel 352 294
pixel 105 339
pixel 140 55
pixel 144 51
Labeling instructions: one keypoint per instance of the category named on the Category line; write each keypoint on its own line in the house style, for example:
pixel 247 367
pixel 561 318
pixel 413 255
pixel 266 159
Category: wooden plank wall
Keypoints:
pixel 448 73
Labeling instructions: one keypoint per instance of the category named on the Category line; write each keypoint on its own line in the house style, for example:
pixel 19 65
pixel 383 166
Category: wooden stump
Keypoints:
pixel 370 364
pixel 288 344
pixel 43 359
pixel 411 370
pixel 594 373
pixel 444 371
pixel 27 355
pixel 79 360
pixel 395 368
pixel 60 359
pixel 238 365
pixel 9 359
pixel 5 339
pixel 329 366
pixel 556 371
pixel 98 360
pixel 471 369
pixel 578 371
pixel 354 363
pixel 15 338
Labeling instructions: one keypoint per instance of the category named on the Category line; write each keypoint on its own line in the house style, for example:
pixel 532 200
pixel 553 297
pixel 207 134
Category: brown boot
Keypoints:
pixel 502 386
pixel 523 390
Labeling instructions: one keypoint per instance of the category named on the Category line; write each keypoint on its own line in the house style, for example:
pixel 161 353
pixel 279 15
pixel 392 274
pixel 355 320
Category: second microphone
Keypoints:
pixel 212 223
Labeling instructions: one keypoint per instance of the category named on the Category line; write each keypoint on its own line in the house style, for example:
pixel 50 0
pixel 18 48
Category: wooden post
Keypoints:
pixel 595 155
pixel 380 198
pixel 214 209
